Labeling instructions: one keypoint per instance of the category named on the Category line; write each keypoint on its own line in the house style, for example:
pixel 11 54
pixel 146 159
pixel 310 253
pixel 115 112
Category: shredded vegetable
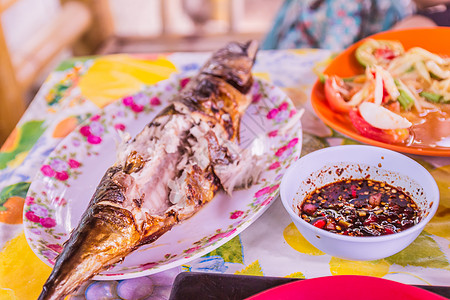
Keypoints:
pixel 396 85
pixel 417 79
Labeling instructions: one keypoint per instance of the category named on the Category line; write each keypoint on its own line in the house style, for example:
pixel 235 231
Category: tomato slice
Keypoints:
pixel 378 52
pixel 385 53
pixel 334 97
pixel 390 136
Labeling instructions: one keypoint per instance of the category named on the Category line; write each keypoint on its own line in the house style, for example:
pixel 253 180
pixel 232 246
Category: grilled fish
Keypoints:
pixel 170 170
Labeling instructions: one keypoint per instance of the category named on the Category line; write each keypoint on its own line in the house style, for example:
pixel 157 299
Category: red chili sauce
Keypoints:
pixel 360 207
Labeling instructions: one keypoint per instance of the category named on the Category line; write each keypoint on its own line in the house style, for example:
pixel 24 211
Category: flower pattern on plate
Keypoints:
pixel 58 201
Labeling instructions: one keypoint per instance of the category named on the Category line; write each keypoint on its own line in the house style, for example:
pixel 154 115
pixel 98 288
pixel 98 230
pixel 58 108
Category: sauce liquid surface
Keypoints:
pixel 432 129
pixel 360 207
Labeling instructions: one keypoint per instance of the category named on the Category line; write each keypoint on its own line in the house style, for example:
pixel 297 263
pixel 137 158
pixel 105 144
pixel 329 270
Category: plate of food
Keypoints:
pixel 189 164
pixel 391 90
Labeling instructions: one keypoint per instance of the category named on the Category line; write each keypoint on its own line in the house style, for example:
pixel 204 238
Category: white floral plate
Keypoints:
pixel 61 191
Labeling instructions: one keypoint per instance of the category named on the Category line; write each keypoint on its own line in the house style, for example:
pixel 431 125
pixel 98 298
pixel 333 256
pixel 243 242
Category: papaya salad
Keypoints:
pixel 402 97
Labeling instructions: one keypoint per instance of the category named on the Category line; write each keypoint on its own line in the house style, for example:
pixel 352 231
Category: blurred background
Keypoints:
pixel 36 35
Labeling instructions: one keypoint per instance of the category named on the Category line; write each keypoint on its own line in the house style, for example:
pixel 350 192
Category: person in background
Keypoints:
pixel 429 13
pixel 336 24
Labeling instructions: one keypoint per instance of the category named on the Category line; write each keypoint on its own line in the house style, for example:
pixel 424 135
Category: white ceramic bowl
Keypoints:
pixel 342 162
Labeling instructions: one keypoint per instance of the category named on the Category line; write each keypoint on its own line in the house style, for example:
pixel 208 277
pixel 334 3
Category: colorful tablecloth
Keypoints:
pixel 271 246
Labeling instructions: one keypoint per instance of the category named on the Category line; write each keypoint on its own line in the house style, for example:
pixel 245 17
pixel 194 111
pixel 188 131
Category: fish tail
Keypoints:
pixel 106 234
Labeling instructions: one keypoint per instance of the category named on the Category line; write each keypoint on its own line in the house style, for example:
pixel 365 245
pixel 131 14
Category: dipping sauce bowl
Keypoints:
pixel 333 164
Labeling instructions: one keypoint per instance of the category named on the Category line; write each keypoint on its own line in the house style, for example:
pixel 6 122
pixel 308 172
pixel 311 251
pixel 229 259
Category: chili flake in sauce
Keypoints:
pixel 360 207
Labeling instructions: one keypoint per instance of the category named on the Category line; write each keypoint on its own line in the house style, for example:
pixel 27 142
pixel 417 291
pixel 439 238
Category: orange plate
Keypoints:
pixel 345 65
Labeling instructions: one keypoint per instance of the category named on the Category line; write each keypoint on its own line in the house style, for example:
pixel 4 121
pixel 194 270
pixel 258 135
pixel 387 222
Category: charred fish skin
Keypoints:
pixel 163 176
pixel 232 63
pixel 104 229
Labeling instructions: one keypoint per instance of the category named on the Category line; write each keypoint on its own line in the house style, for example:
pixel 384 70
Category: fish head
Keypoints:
pixel 248 49
pixel 234 63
